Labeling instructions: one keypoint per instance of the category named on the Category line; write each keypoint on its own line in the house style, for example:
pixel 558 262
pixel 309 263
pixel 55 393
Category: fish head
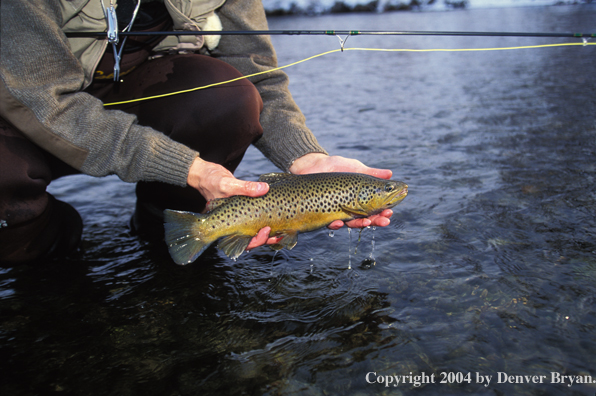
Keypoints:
pixel 376 195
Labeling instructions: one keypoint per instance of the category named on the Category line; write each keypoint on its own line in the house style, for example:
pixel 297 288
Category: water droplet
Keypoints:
pixel 349 248
pixel 331 234
pixel 372 245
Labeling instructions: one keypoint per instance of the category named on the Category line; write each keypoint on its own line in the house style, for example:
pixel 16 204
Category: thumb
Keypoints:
pixel 380 173
pixel 252 189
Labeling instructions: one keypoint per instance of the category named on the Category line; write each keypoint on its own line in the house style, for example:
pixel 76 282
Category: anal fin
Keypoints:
pixel 289 240
pixel 234 245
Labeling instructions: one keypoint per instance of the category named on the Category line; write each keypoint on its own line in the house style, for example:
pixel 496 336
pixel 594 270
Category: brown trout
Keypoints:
pixel 294 203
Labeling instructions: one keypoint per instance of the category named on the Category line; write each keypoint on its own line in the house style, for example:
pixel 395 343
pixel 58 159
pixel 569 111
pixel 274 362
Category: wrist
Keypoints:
pixel 194 172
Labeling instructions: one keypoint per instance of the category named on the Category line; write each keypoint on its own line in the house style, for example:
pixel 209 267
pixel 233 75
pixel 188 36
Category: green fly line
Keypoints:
pixel 341 50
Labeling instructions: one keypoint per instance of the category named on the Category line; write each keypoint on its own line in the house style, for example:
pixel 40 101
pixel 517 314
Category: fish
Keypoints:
pixel 293 204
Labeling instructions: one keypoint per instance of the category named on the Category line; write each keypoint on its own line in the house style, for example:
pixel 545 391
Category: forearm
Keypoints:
pixel 285 137
pixel 41 95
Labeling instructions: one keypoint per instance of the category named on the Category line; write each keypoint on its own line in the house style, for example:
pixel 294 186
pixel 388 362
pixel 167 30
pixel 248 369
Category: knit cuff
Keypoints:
pixel 169 162
pixel 286 146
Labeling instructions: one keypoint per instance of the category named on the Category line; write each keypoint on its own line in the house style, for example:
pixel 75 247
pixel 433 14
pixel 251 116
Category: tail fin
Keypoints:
pixel 184 236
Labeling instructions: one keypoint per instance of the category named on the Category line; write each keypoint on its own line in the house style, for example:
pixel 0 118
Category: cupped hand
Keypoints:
pixel 318 163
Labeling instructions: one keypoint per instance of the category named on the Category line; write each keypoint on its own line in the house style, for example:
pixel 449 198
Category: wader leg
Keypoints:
pixel 33 224
pixel 219 122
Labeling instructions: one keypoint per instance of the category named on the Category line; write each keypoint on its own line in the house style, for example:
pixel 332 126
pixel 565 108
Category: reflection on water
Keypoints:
pixel 488 266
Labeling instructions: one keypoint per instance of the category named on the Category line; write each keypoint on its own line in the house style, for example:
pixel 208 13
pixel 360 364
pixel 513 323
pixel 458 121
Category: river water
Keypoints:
pixel 488 266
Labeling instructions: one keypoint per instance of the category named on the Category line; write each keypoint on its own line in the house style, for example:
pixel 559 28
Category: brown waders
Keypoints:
pixel 220 123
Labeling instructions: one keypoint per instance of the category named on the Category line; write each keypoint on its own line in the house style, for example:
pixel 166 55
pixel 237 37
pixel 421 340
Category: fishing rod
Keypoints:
pixel 584 36
pixel 331 33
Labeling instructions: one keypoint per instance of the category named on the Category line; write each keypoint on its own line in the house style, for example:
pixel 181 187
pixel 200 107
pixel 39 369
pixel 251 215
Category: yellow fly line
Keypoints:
pixel 347 49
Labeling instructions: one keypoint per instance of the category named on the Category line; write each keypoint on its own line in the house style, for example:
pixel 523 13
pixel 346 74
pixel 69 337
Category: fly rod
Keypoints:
pixel 331 33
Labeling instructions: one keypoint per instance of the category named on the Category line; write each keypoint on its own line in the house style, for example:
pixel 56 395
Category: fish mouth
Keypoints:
pixel 397 195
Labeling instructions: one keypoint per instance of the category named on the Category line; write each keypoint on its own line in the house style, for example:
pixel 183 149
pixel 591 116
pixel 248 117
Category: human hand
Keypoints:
pixel 318 162
pixel 215 181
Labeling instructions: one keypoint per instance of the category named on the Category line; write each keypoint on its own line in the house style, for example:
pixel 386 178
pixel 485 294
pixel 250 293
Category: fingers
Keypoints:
pixel 374 221
pixel 214 181
pixel 263 238
pixel 260 239
pixel 382 219
pixel 317 162
pixel 336 225
pixel 380 173
pixel 379 220
pixel 359 223
pixel 254 189
pixel 230 186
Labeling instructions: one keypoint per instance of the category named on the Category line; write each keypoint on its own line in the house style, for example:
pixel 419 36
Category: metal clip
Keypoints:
pixel 113 38
pixel 112 19
pixel 342 42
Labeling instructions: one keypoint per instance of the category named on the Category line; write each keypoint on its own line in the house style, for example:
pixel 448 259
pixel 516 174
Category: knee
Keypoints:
pixel 239 98
pixel 201 70
pixel 230 106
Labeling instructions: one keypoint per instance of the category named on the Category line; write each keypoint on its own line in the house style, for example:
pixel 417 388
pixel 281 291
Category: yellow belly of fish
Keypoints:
pixel 301 222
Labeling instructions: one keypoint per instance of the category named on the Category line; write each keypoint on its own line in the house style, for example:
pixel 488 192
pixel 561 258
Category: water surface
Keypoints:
pixel 488 266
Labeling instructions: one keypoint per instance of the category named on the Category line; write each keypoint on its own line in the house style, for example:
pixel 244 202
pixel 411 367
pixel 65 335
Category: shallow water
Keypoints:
pixel 488 266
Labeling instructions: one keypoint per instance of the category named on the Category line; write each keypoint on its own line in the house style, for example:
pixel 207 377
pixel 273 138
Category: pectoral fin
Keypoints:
pixel 354 212
pixel 234 245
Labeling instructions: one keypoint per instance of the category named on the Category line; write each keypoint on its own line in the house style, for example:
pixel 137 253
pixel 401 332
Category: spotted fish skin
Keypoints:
pixel 294 203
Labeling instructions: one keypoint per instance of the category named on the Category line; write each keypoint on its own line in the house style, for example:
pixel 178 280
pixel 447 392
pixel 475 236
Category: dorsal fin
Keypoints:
pixel 274 177
pixel 216 203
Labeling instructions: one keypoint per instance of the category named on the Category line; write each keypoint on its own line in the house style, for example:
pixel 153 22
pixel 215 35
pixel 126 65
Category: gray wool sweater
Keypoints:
pixel 41 84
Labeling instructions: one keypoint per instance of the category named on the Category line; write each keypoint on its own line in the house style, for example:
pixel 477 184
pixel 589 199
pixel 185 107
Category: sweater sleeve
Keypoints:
pixel 41 84
pixel 285 135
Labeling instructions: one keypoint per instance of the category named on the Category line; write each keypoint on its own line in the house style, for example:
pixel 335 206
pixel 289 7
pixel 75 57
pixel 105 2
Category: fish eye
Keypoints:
pixel 389 187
